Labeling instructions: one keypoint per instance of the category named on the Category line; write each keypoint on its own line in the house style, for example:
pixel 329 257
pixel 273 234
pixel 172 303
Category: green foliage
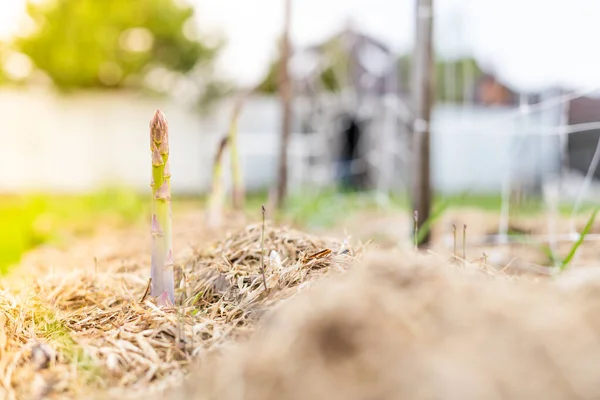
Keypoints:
pixel 329 80
pixel 564 263
pixel 327 207
pixel 269 83
pixel 453 91
pixel 551 256
pixel 111 43
pixel 436 214
pixel 3 54
pixel 33 220
pixel 53 331
pixel 332 50
pixel 588 227
pixel 36 219
pixel 461 68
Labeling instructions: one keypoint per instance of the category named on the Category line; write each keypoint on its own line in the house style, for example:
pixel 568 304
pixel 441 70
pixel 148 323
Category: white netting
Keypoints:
pixel 532 137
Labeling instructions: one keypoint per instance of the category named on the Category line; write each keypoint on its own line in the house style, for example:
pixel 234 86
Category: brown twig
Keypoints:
pixel 146 291
pixel 454 231
pixel 262 249
pixel 464 255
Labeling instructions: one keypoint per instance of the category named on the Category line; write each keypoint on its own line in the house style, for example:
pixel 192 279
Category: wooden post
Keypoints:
pixel 422 93
pixel 285 93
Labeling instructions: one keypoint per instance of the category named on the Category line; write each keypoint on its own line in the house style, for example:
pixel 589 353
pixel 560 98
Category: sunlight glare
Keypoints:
pixel 11 13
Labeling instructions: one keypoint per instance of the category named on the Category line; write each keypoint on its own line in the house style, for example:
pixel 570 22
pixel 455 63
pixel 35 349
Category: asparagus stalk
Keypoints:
pixel 238 185
pixel 162 250
pixel 215 205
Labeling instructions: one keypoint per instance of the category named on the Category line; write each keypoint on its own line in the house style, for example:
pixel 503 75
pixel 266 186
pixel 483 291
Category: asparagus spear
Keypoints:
pixel 238 185
pixel 162 250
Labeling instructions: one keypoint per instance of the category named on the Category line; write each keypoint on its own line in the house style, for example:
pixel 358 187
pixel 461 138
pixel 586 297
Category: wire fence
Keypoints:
pixel 544 120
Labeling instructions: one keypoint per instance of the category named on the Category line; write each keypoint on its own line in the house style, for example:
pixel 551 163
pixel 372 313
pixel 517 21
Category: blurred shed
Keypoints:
pixel 343 83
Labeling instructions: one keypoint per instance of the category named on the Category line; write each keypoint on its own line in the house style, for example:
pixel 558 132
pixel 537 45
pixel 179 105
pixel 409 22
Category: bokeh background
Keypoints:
pixel 516 112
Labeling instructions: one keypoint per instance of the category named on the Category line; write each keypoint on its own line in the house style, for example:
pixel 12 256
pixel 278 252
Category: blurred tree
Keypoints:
pixel 454 79
pixel 269 83
pixel 3 51
pixel 328 78
pixel 115 43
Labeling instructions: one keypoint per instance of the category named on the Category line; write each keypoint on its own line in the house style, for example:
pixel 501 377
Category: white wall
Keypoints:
pixel 474 149
pixel 81 142
pixel 85 141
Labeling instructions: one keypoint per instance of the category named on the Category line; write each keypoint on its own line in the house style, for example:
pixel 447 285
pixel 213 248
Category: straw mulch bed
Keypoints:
pixel 71 330
pixel 389 228
pixel 403 327
pixel 76 323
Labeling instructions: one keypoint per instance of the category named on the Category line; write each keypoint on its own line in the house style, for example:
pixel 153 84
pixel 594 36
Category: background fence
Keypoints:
pixel 88 140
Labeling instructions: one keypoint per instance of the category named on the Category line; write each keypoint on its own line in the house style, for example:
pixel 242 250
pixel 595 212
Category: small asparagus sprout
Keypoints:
pixel 163 286
pixel 416 229
pixel 236 170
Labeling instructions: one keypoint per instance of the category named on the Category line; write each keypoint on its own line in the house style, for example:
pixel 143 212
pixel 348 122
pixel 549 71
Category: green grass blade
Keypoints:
pixel 438 212
pixel 588 227
pixel 435 215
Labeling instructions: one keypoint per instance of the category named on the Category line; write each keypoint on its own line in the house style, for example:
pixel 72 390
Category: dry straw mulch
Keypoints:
pixel 76 324
pixel 403 327
pixel 67 331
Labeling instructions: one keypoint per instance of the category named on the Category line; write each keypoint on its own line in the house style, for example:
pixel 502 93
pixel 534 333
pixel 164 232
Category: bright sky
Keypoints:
pixel 530 43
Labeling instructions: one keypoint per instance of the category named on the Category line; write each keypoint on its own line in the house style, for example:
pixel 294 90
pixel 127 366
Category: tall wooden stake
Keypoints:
pixel 285 92
pixel 422 93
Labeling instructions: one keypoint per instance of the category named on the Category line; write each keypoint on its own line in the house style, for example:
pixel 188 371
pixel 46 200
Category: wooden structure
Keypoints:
pixel 342 91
